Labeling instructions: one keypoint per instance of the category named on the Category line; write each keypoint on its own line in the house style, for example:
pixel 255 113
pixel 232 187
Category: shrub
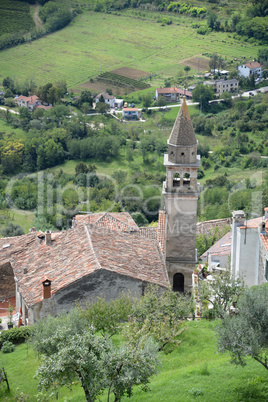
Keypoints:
pixel 15 335
pixel 7 347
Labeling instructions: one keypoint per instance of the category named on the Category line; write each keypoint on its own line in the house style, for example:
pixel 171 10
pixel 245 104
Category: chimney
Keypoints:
pixel 46 289
pixel 262 228
pixel 237 221
pixel 47 237
pixel 74 223
pixel 266 213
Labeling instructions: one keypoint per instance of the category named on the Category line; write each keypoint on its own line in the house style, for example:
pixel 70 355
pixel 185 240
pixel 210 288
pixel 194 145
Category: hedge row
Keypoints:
pixel 15 335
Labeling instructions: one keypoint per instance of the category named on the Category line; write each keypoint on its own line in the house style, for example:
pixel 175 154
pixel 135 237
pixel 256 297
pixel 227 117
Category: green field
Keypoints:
pixel 15 16
pixel 96 42
pixel 192 372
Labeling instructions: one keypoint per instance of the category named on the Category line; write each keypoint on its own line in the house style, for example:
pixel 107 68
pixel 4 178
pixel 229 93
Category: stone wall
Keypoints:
pixel 204 227
pixel 7 281
pixel 102 283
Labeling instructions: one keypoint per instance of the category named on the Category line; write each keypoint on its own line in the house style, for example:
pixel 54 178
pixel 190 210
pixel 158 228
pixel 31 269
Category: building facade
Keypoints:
pixel 248 69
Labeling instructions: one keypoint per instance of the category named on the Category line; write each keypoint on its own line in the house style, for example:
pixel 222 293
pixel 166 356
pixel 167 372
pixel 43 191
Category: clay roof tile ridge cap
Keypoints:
pixel 91 245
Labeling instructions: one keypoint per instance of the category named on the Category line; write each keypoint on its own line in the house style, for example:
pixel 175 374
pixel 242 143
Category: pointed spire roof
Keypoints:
pixel 183 133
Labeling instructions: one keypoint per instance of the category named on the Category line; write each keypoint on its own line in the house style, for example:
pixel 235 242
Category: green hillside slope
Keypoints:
pixel 97 42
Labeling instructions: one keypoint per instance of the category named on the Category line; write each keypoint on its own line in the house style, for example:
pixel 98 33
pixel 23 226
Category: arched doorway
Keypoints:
pixel 178 283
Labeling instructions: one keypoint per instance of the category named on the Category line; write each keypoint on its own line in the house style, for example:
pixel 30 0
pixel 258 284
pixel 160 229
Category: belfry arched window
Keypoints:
pixel 186 179
pixel 176 180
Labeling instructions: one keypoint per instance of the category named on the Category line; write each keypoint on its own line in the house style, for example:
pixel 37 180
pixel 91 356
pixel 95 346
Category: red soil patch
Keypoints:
pixel 196 63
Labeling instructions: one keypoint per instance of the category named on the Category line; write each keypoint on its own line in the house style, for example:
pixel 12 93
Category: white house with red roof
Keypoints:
pixel 248 69
pixel 31 102
pixel 172 94
pixel 110 100
pixel 131 113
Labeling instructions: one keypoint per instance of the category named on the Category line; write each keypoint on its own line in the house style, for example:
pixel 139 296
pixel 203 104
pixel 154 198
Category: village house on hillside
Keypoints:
pixel 172 94
pixel 31 102
pixel 252 68
pixel 221 86
pixel 131 113
pixel 106 254
pixel 110 100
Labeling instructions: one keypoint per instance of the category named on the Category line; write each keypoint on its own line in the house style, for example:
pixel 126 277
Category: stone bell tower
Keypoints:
pixel 181 191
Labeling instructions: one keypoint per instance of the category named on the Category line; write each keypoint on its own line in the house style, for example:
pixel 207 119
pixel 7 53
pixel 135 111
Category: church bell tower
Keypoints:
pixel 181 192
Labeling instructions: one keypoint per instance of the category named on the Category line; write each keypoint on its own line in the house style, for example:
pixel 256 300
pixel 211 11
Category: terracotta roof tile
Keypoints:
pixel 99 241
pixel 173 90
pixel 253 64
pixel 222 247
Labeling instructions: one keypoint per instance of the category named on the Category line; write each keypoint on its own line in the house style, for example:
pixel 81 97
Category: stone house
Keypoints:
pixel 221 86
pixel 102 255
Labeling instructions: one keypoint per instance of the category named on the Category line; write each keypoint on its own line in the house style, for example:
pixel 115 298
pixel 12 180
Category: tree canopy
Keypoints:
pixel 246 333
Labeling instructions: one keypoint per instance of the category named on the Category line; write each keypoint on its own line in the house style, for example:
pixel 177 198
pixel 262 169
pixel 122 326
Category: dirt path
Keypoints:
pixel 38 22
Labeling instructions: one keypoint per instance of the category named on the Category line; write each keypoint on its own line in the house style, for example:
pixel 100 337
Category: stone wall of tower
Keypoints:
pixel 181 228
pixel 181 192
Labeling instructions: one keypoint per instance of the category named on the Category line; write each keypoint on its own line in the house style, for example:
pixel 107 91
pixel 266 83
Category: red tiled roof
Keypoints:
pixel 252 223
pixel 43 107
pixel 150 232
pixel 113 220
pixel 130 254
pixel 222 247
pixel 29 99
pixel 253 64
pixel 130 109
pixel 110 241
pixel 184 92
pixel 173 90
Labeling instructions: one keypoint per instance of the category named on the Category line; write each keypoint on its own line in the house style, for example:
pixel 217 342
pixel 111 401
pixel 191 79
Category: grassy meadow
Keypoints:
pixel 194 371
pixel 97 42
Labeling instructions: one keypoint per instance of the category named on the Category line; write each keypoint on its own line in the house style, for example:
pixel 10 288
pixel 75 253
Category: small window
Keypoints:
pixel 266 270
pixel 182 154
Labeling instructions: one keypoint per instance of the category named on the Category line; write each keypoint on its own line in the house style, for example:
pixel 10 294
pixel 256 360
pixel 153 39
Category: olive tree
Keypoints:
pixel 72 351
pixel 159 314
pixel 222 292
pixel 246 333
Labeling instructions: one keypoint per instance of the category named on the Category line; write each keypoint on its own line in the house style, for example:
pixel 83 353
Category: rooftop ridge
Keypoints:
pixel 92 248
